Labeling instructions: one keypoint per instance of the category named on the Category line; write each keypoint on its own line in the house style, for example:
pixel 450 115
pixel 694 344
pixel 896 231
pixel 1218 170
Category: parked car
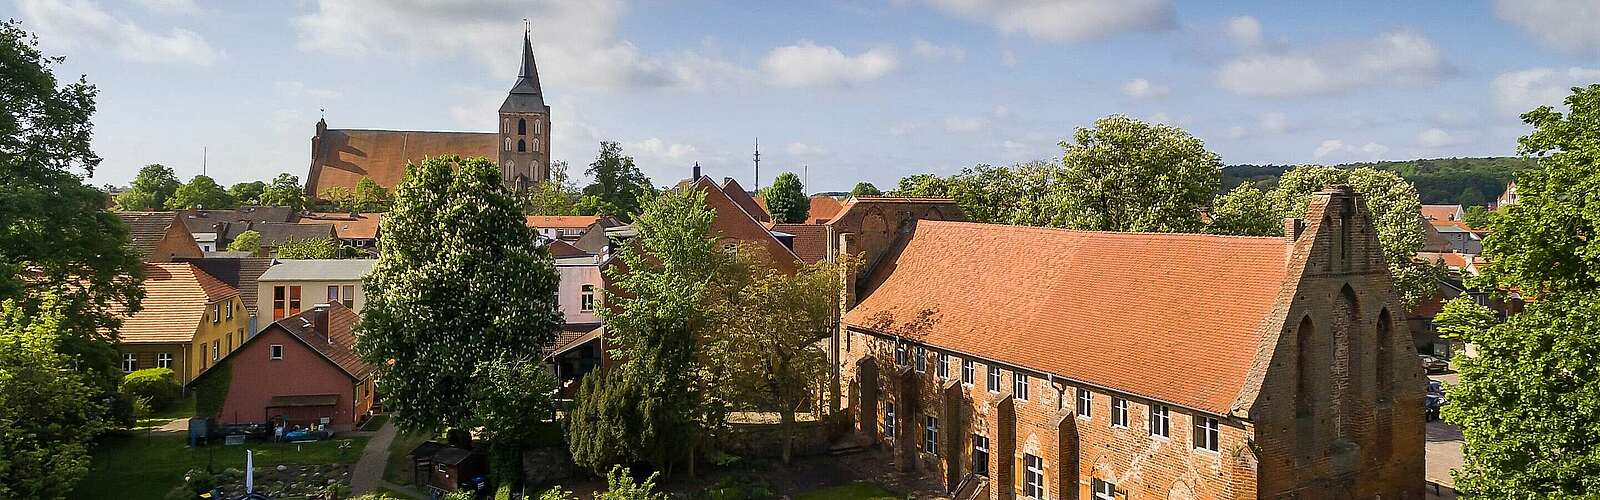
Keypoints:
pixel 1434 401
pixel 1433 364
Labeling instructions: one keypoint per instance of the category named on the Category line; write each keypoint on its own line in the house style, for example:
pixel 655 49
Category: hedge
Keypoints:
pixel 158 385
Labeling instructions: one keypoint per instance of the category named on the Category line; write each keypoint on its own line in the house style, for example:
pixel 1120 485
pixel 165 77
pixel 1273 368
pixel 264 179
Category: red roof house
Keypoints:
pixel 298 371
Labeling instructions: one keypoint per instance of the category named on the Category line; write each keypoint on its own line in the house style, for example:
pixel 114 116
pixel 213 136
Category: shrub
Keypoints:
pixel 122 411
pixel 557 493
pixel 158 385
pixel 142 407
pixel 503 492
pixel 210 391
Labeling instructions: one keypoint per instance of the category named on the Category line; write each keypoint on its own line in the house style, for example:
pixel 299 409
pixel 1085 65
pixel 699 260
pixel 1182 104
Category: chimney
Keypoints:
pixel 319 320
pixel 1292 227
pixel 696 172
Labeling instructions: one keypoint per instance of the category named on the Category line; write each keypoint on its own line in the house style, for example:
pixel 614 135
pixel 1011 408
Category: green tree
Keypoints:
pixel 618 183
pixel 1527 403
pixel 200 192
pixel 604 422
pixel 150 189
pixel 513 406
pixel 554 196
pixel 56 236
pixel 49 410
pixel 1245 211
pixel 1126 175
pixel 248 241
pixel 923 186
pixel 1477 217
pixel 621 486
pixel 284 191
pixel 865 189
pixel 304 248
pixel 247 193
pixel 460 281
pixel 370 197
pixel 786 199
pixel 339 199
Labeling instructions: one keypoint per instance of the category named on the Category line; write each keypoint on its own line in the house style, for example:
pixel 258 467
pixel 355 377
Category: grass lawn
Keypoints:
pixel 146 465
pixel 182 408
pixel 852 491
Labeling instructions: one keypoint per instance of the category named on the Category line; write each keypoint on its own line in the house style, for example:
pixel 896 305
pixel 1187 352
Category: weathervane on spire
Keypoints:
pixel 527 28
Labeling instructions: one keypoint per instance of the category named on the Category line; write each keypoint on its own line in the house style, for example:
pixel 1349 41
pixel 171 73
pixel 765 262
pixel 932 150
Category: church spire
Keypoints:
pixel 526 95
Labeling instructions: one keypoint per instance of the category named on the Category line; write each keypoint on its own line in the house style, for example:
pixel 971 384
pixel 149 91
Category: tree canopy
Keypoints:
pixel 301 248
pixel 247 193
pixel 1123 174
pixel 284 191
pixel 248 241
pixel 200 192
pixel 618 184
pixel 460 281
pixel 49 411
pixel 553 196
pixel 865 189
pixel 786 199
pixel 150 189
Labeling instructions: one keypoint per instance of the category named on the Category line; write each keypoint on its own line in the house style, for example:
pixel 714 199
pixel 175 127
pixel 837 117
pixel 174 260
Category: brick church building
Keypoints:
pixel 1021 362
pixel 341 157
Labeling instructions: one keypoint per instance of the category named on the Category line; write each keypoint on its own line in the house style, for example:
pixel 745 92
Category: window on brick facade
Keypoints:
pixel 1019 385
pixel 888 419
pixel 900 355
pixel 980 455
pixel 1033 476
pixel 969 371
pixel 1085 403
pixel 522 126
pixel 1103 490
pixel 922 359
pixel 943 366
pixel 930 434
pixel 164 360
pixel 1206 433
pixel 1160 420
pixel 994 379
pixel 130 362
pixel 1119 412
pixel 275 351
pixel 522 146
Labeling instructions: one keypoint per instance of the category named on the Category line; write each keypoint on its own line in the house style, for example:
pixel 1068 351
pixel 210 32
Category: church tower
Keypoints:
pixel 525 127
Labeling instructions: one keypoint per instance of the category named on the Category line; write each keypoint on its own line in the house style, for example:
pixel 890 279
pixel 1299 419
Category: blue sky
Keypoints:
pixel 855 90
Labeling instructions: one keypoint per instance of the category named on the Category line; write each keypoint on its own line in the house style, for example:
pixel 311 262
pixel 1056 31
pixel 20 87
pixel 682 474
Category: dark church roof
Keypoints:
pixel 526 96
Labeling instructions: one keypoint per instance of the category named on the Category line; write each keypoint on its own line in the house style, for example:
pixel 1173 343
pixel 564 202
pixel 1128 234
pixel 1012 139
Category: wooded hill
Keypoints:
pixel 1465 181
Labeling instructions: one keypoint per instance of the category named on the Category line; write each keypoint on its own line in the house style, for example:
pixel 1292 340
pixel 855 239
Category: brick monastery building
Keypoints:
pixel 341 157
pixel 1018 362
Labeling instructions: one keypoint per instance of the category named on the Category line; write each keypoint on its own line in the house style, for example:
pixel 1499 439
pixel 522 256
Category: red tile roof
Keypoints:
pixel 176 296
pixel 1440 212
pixel 351 154
pixel 338 345
pixel 823 209
pixel 1172 317
pixel 361 227
pixel 561 249
pixel 740 197
pixel 562 221
pixel 810 240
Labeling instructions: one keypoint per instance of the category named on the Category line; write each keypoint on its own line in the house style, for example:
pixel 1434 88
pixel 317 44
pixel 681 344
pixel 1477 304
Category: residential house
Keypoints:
pixel 595 239
pixel 358 230
pixel 210 227
pixel 301 370
pixel 1135 365
pixel 188 321
pixel 562 227
pixel 159 236
pixel 293 284
pixel 1458 236
pixel 276 234
pixel 239 272
pixel 1443 212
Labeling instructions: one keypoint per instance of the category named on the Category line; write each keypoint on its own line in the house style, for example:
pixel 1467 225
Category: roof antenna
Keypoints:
pixel 758 164
pixel 203 157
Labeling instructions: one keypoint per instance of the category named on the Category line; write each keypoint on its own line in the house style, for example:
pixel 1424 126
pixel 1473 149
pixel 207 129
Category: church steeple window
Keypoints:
pixel 522 126
pixel 522 146
pixel 508 144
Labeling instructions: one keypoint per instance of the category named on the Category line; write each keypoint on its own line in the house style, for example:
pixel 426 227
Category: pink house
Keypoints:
pixel 299 370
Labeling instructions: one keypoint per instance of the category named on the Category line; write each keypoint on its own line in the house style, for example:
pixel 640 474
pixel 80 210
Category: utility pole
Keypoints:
pixel 758 164
pixel 203 157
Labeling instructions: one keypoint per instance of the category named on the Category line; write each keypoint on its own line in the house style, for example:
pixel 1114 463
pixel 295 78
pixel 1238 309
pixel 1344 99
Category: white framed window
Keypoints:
pixel 586 300
pixel 980 455
pixel 942 365
pixel 994 379
pixel 968 371
pixel 216 349
pixel 922 359
pixel 930 434
pixel 130 362
pixel 900 355
pixel 230 310
pixel 1033 476
pixel 1085 403
pixel 216 313
pixel 164 360
pixel 275 351
pixel 1206 433
pixel 333 294
pixel 1160 421
pixel 1103 490
pixel 1019 385
pixel 1119 412
pixel 349 296
pixel 888 419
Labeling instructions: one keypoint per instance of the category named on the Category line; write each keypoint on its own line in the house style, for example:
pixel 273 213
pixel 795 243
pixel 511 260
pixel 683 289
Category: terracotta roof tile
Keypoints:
pixel 1172 317
pixel 562 221
pixel 383 154
pixel 341 350
pixel 823 209
pixel 1440 212
pixel 147 229
pixel 740 197
pixel 363 226
pixel 810 240
pixel 176 295
pixel 238 272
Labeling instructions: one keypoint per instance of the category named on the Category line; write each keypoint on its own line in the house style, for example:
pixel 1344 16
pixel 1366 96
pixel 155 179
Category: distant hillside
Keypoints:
pixel 1465 181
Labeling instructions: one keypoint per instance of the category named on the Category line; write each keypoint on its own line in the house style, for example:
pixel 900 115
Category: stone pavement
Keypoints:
pixel 1442 450
pixel 368 471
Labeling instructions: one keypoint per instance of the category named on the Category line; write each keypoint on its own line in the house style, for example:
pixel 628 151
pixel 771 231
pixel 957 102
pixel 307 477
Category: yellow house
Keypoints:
pixel 188 321
pixel 293 285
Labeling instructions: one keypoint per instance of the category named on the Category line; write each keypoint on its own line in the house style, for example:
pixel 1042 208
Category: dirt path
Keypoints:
pixel 368 471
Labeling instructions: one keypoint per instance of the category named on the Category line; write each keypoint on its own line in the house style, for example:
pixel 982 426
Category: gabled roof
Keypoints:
pixel 562 221
pixel 1441 212
pixel 176 296
pixel 147 229
pixel 1125 311
pixel 347 155
pixel 526 95
pixel 740 197
pixel 319 270
pixel 338 346
pixel 360 226
pixel 561 250
pixel 810 240
pixel 736 223
pixel 823 209
pixel 205 221
pixel 238 272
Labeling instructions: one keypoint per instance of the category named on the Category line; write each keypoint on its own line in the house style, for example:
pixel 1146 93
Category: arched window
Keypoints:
pixel 536 145
pixel 522 145
pixel 536 128
pixel 522 126
pixel 508 144
pixel 1385 362
pixel 1306 387
pixel 505 125
pixel 511 166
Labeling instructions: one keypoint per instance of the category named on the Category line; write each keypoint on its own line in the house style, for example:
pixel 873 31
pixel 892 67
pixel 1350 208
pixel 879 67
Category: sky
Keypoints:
pixel 840 91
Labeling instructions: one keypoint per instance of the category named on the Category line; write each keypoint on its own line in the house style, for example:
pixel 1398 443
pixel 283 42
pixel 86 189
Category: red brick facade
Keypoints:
pixel 1330 405
pixel 298 372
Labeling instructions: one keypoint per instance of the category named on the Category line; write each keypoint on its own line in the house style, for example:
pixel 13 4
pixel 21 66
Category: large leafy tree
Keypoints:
pixel 247 193
pixel 49 410
pixel 1529 403
pixel 370 197
pixel 1242 211
pixel 786 199
pixel 618 183
pixel 303 248
pixel 865 189
pixel 200 192
pixel 248 241
pixel 554 196
pixel 1123 174
pixel 460 281
pixel 55 235
pixel 150 189
pixel 284 191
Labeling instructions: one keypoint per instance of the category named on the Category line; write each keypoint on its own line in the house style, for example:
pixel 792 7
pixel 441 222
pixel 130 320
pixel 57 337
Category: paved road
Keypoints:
pixel 1443 447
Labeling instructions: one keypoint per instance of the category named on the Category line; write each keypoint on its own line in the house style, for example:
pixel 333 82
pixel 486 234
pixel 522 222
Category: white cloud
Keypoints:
pixel 1338 149
pixel 576 42
pixel 801 149
pixel 807 64
pixel 75 23
pixel 170 6
pixel 1273 121
pixel 1008 58
pixel 1235 132
pixel 964 123
pixel 1065 20
pixel 1393 57
pixel 932 52
pixel 1001 111
pixel 1517 92
pixel 295 89
pixel 1161 118
pixel 1434 138
pixel 661 153
pixel 1572 25
pixel 1142 88
pixel 1245 31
